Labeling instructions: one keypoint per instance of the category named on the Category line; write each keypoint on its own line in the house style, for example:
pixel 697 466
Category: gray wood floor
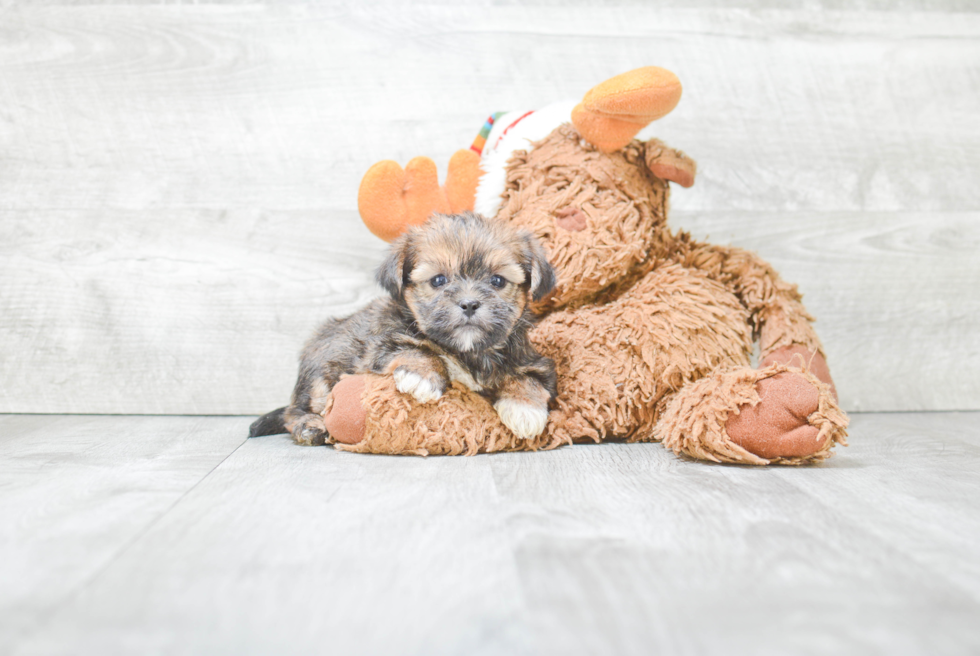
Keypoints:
pixel 174 535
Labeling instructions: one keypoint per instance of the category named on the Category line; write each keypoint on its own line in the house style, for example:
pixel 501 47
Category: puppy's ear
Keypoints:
pixel 393 273
pixel 542 274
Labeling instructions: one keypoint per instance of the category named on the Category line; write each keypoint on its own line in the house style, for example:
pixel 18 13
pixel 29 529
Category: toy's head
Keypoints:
pixel 598 215
pixel 570 173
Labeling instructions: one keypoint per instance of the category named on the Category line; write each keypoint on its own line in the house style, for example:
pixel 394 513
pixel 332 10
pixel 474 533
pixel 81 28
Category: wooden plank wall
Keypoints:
pixel 178 182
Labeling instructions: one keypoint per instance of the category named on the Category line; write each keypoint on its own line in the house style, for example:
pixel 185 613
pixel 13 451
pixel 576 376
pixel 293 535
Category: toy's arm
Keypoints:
pixel 779 320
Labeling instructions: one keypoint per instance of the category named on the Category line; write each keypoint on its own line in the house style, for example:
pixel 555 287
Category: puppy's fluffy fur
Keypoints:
pixel 458 290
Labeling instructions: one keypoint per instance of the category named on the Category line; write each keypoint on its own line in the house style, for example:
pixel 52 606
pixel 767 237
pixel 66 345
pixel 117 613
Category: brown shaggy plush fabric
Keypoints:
pixel 459 423
pixel 651 332
pixel 694 421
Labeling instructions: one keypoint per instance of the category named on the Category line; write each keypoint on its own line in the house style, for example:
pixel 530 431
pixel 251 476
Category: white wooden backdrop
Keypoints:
pixel 178 182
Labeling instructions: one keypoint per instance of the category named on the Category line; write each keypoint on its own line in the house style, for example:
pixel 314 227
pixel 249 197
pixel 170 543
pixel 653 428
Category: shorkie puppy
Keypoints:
pixel 457 310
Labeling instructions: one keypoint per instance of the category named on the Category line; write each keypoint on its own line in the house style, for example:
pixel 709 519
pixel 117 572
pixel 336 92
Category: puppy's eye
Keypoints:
pixel 497 281
pixel 438 281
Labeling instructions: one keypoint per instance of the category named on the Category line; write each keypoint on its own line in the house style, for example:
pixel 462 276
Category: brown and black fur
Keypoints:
pixel 467 328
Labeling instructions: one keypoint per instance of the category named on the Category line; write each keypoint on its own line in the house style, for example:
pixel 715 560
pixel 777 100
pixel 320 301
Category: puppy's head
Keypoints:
pixel 466 279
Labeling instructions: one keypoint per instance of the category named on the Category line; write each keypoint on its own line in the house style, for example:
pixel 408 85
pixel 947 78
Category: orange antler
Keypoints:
pixel 611 113
pixel 391 199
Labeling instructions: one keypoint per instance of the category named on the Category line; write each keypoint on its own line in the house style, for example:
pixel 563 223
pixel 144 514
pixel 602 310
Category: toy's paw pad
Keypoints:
pixel 310 431
pixel 777 426
pixel 525 420
pixel 345 417
pixel 800 356
pixel 425 389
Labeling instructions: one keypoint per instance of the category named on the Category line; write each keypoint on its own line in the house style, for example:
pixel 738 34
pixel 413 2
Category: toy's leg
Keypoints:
pixel 776 414
pixel 617 361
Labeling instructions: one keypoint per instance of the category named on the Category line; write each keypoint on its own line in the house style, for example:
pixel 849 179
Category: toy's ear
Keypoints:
pixel 612 112
pixel 394 272
pixel 669 163
pixel 542 275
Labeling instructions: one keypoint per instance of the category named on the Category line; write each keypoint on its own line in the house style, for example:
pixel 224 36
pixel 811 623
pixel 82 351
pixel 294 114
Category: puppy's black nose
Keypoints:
pixel 469 307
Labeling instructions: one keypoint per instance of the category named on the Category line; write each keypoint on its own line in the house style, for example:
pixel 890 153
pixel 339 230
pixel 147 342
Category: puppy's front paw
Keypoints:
pixel 525 420
pixel 425 388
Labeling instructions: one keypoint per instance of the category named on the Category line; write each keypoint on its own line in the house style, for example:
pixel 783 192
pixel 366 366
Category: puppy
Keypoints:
pixel 456 309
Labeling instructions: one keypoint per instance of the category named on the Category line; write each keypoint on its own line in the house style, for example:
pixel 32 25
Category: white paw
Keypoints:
pixel 409 382
pixel 523 419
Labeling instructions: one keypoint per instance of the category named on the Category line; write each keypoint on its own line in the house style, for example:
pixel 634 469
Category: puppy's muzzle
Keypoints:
pixel 469 307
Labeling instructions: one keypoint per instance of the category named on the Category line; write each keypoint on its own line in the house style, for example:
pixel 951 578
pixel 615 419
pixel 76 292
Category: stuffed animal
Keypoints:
pixel 651 331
